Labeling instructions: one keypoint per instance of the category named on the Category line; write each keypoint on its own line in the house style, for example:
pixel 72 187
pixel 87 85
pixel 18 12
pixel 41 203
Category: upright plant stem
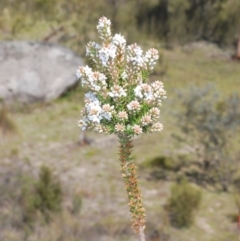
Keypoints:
pixel 128 170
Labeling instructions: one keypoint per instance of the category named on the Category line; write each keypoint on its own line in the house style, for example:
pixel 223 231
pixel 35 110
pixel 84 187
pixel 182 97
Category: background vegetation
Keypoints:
pixel 170 22
pixel 52 188
pixel 180 214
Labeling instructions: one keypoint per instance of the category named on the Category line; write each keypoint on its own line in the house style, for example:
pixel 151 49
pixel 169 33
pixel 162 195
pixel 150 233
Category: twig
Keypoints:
pixel 53 33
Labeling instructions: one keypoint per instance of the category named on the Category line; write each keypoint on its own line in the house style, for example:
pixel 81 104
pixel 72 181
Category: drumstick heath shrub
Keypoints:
pixel 120 101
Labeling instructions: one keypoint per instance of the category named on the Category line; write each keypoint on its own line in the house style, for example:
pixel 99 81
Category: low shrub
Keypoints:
pixel 163 162
pixel 208 125
pixel 184 200
pixel 44 196
pixel 163 167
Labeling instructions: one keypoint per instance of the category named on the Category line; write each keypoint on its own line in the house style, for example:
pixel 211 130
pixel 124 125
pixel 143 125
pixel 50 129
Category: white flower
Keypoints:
pixel 134 105
pixel 117 91
pixel 104 28
pixel 83 71
pixel 146 120
pixel 98 80
pixel 143 91
pixel 99 128
pixel 92 49
pixel 134 50
pixel 107 111
pixel 94 80
pixel 138 92
pixel 118 39
pixel 151 58
pixel 83 123
pixel 107 108
pixel 155 113
pixel 90 97
pixel 124 75
pixel 107 52
pixel 134 55
pixel 156 127
pixel 87 70
pixel 119 127
pixel 78 74
pixel 106 115
pixel 122 115
pixel 94 110
pixel 158 90
pixel 137 129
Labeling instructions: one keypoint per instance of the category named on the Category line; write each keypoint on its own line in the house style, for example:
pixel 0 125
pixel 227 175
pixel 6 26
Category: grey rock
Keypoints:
pixel 33 71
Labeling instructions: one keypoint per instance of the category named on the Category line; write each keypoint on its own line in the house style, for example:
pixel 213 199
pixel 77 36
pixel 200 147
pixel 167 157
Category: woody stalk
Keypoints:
pixel 120 101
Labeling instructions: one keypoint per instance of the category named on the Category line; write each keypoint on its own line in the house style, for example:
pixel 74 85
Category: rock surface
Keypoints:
pixel 32 71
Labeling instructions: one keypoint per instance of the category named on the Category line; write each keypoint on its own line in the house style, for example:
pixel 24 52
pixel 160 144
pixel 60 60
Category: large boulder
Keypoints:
pixel 32 71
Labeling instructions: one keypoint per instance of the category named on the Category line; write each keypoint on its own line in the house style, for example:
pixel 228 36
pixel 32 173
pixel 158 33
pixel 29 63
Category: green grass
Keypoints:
pixel 197 68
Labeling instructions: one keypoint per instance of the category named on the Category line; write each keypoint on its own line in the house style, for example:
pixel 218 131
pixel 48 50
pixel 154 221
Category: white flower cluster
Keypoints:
pixel 95 80
pixel 150 93
pixel 94 112
pixel 120 100
pixel 138 61
pixel 104 28
pixel 117 91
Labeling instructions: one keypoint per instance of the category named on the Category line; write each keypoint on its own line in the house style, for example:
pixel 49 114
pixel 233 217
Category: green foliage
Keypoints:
pixel 164 167
pixel 44 196
pixel 48 191
pixel 184 200
pixel 209 125
pixel 161 162
pixel 187 20
pixel 170 21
